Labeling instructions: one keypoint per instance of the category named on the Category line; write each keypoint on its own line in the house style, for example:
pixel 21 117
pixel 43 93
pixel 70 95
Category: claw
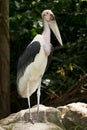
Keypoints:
pixel 31 121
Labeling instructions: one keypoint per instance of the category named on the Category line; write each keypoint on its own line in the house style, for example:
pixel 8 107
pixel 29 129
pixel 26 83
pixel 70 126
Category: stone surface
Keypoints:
pixel 50 119
pixel 29 126
pixel 70 117
pixel 1 128
pixel 74 115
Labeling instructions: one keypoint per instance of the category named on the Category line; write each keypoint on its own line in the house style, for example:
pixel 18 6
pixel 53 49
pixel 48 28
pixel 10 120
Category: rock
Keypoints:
pixel 70 117
pixel 29 126
pixel 50 119
pixel 74 116
pixel 1 128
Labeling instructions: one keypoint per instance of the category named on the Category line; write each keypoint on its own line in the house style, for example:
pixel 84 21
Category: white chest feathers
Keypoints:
pixel 35 70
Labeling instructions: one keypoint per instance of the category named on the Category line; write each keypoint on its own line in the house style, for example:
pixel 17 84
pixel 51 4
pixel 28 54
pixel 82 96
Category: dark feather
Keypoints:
pixel 27 58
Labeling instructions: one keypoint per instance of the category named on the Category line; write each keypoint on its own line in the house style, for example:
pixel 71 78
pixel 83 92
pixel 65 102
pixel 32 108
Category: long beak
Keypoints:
pixel 53 25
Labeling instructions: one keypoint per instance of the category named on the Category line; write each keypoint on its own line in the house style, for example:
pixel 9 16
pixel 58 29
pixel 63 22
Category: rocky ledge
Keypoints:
pixel 70 117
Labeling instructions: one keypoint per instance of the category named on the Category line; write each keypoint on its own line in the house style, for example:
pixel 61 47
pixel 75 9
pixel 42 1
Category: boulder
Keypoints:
pixel 69 117
pixel 49 119
pixel 74 116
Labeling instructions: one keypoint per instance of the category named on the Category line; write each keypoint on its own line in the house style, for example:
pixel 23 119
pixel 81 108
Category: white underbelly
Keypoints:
pixel 32 75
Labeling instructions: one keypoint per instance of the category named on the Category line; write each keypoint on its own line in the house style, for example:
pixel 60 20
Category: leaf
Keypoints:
pixel 61 71
pixel 70 67
pixel 17 4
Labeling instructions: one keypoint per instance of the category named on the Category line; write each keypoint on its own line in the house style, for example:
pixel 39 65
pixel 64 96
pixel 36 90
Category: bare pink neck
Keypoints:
pixel 46 32
pixel 46 36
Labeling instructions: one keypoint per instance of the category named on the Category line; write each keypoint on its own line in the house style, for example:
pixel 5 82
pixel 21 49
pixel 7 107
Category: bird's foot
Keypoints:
pixel 37 119
pixel 30 120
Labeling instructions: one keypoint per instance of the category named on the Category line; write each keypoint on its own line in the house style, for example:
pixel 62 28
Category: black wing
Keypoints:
pixel 28 57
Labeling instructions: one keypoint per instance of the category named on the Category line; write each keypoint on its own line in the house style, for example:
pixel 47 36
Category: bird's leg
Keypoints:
pixel 38 99
pixel 30 116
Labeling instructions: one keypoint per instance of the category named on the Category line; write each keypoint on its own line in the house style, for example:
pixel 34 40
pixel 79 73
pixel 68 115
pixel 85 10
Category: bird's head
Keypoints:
pixel 48 16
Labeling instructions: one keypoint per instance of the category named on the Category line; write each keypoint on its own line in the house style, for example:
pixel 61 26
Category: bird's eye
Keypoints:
pixel 46 12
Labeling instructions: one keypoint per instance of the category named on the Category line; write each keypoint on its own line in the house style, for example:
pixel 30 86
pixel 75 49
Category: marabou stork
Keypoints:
pixel 33 62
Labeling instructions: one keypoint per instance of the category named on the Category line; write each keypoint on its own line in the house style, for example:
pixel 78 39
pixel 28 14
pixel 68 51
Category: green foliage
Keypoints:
pixel 9 127
pixel 68 65
pixel 70 61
